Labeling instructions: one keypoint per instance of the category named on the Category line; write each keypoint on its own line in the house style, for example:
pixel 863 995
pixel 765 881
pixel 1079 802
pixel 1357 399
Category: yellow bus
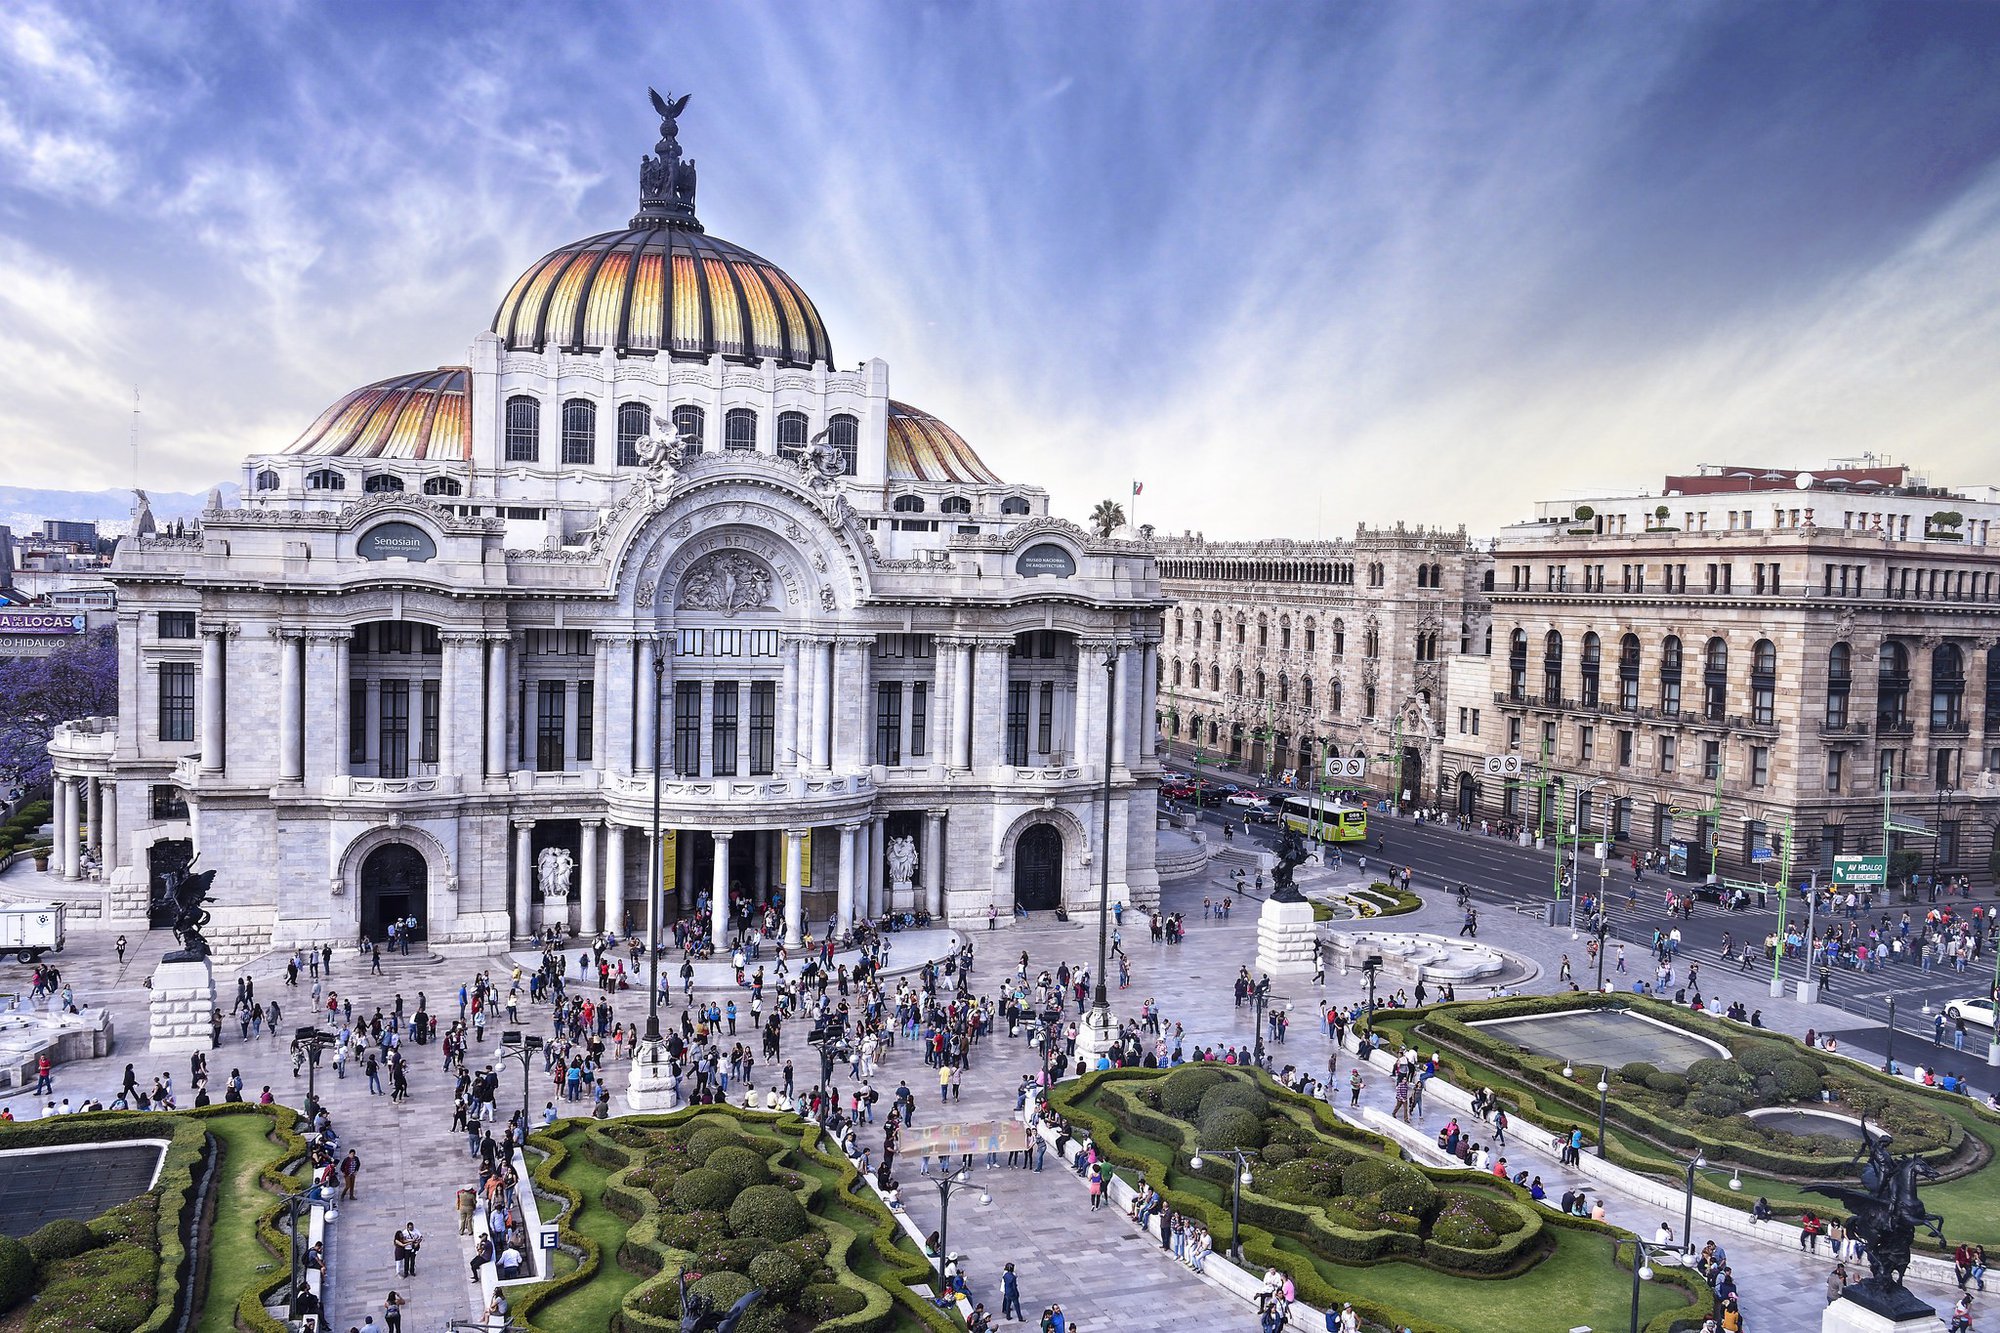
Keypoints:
pixel 1326 818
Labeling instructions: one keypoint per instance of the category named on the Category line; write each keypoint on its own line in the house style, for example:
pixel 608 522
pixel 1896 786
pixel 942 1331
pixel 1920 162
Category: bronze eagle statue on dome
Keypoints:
pixel 670 111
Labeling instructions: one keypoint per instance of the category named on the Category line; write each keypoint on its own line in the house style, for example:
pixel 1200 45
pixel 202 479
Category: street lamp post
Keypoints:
pixel 1694 1168
pixel 1603 1092
pixel 948 1185
pixel 294 1204
pixel 1645 1250
pixel 514 1046
pixel 1099 1019
pixel 1241 1157
pixel 1889 1055
pixel 1369 967
pixel 1260 997
pixel 310 1041
pixel 653 872
pixel 1603 930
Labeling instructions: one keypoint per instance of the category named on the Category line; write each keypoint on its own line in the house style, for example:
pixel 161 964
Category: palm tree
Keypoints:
pixel 1108 517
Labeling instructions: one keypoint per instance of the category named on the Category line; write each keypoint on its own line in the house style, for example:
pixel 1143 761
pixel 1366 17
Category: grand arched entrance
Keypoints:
pixel 394 880
pixel 1038 868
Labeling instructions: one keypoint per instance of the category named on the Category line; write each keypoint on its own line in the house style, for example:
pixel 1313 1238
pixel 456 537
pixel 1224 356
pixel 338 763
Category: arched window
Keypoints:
pixel 375 483
pixel 1947 688
pixel 443 486
pixel 1177 672
pixel 579 440
pixel 1284 688
pixel 1284 634
pixel 1670 676
pixel 739 430
pixel 1593 661
pixel 1236 682
pixel 1839 681
pixel 1340 638
pixel 1263 632
pixel 635 420
pixel 1260 684
pixel 524 428
pixel 1242 627
pixel 1013 504
pixel 1715 680
pixel 908 504
pixel 267 480
pixel 326 479
pixel 1892 684
pixel 1312 634
pixel 1215 680
pixel 793 434
pixel 1333 697
pixel 843 432
pixel 1628 673
pixel 1517 665
pixel 1552 667
pixel 1763 683
pixel 692 424
pixel 955 504
pixel 1367 701
pixel 1306 690
pixel 1371 642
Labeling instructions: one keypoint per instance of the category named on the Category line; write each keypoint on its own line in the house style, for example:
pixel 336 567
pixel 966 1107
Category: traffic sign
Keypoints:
pixel 1353 767
pixel 1503 765
pixel 1762 854
pixel 1861 869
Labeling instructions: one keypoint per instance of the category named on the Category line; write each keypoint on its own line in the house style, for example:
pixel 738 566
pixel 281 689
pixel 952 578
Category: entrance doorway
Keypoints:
pixel 1038 869
pixel 1410 783
pixel 394 880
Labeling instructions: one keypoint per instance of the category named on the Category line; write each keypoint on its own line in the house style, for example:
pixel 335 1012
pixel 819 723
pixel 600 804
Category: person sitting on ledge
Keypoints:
pixel 1761 1212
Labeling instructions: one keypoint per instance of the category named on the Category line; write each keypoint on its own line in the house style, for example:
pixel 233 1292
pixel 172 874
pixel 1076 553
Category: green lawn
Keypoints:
pixel 236 1259
pixel 590 1307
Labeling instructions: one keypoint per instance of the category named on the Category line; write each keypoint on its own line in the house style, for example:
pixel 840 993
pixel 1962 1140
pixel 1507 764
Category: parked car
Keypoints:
pixel 1228 788
pixel 1248 799
pixel 1976 1011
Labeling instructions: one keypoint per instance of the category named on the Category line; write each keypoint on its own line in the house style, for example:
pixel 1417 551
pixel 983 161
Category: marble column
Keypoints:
pixel 718 894
pixel 1149 697
pixel 324 748
pixel 108 842
pixel 943 719
pixel 790 756
pixel 961 706
pixel 343 664
pixel 214 740
pixel 989 706
pixel 795 894
pixel 1091 708
pixel 70 830
pixel 853 716
pixel 877 905
pixel 1121 709
pixel 587 889
pixel 614 874
pixel 524 878
pixel 647 707
pixel 600 704
pixel 843 912
pixel 58 818
pixel 93 817
pixel 822 701
pixel 499 686
pixel 683 874
pixel 291 704
pixel 760 864
pixel 934 862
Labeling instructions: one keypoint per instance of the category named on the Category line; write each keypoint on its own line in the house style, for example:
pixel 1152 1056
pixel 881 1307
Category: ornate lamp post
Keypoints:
pixel 948 1185
pixel 514 1046
pixel 1889 1055
pixel 1236 1183
pixel 1644 1251
pixel 1603 1092
pixel 1694 1168
pixel 294 1205
pixel 1098 1022
pixel 654 887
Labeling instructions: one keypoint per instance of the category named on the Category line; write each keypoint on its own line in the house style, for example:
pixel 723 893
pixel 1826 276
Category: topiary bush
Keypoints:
pixel 1668 1085
pixel 1232 1127
pixel 64 1238
pixel 1181 1091
pixel 779 1275
pixel 704 1190
pixel 1233 1092
pixel 1636 1072
pixel 742 1165
pixel 725 1289
pixel 692 1231
pixel 1277 1154
pixel 825 1300
pixel 705 1141
pixel 1797 1080
pixel 768 1211
pixel 17 1273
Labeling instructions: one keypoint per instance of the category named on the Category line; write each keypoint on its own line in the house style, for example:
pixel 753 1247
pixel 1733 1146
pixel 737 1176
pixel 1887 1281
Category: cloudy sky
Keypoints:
pixel 1293 266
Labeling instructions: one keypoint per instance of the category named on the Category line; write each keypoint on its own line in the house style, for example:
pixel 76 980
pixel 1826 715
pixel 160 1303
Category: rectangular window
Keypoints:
pixel 521 728
pixel 1669 753
pixel 1586 743
pixel 688 643
pixel 1514 732
pixel 763 727
pixel 1947 844
pixel 1017 722
pixel 889 723
pixel 586 705
pixel 763 643
pixel 725 643
pixel 392 730
pixel 1475 721
pixel 551 710
pixel 427 745
pixel 722 730
pixel 177 701
pixel 1464 721
pixel 177 624
pixel 1045 726
pixel 1624 749
pixel 920 699
pixel 168 802
pixel 357 721
pixel 1711 759
pixel 687 727
pixel 1760 766
pixel 1548 738
pixel 1836 763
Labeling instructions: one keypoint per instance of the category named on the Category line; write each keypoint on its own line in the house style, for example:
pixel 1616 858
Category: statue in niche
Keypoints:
pixel 902 862
pixel 660 459
pixel 728 582
pixel 553 868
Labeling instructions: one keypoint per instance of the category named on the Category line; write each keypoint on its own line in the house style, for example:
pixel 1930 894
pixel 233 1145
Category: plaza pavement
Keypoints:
pixel 1105 1274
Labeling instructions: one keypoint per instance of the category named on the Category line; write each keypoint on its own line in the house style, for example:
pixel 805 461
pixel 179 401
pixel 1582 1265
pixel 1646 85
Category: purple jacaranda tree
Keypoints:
pixel 79 679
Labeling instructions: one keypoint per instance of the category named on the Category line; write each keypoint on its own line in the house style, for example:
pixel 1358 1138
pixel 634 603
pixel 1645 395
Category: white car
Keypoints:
pixel 1248 800
pixel 1976 1011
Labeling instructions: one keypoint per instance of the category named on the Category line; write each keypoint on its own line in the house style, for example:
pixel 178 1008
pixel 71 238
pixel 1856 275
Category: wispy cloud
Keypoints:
pixel 1293 265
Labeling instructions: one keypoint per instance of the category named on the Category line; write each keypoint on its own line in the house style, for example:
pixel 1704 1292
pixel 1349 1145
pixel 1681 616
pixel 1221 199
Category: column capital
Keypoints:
pixel 522 825
pixel 854 640
pixel 796 832
pixel 853 828
pixel 329 635
pixel 222 629
pixel 721 835
pixel 463 636
pixel 593 823
pixel 936 812
pixel 287 633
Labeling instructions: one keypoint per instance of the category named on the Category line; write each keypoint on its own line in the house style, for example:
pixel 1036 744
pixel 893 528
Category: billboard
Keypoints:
pixel 42 622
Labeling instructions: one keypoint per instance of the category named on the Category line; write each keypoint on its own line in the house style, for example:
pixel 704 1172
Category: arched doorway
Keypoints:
pixel 394 879
pixel 1038 868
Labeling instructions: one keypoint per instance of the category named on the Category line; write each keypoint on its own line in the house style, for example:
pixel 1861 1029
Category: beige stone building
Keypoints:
pixel 1801 659
pixel 1277 648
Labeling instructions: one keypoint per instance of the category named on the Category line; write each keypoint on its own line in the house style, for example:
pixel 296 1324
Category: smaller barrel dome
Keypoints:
pixel 922 448
pixel 425 415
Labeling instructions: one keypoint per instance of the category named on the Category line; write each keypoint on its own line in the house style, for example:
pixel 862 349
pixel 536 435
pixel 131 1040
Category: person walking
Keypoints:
pixel 1010 1295
pixel 350 1171
pixel 392 1313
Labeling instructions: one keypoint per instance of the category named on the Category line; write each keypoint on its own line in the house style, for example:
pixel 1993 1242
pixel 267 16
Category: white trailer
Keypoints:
pixel 29 930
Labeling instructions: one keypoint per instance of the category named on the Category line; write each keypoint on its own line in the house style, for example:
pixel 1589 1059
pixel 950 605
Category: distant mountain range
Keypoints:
pixel 23 508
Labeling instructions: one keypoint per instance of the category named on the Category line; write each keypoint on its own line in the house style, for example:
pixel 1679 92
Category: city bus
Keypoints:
pixel 1326 818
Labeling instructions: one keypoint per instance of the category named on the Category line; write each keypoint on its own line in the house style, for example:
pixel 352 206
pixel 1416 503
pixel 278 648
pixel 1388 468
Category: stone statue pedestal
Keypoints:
pixel 1286 934
pixel 1860 1310
pixel 652 1085
pixel 183 1007
pixel 1096 1037
pixel 904 895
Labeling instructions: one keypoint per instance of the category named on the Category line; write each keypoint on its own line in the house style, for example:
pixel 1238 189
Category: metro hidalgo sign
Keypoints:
pixel 42 622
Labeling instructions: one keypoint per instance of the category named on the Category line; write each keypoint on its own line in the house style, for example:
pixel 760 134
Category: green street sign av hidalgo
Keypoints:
pixel 1861 869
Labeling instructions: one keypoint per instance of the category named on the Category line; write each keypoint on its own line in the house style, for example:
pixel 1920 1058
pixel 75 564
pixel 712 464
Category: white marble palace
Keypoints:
pixel 649 548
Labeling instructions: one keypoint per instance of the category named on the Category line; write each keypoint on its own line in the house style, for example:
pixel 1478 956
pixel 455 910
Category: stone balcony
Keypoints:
pixel 85 742
pixel 759 802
